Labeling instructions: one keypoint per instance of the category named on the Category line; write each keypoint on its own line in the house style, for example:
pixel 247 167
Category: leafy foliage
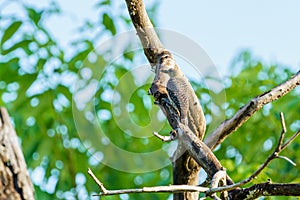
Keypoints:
pixel 41 88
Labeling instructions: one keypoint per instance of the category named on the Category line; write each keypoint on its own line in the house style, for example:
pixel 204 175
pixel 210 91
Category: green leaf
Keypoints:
pixel 22 44
pixel 34 15
pixel 40 63
pixel 9 70
pixel 104 2
pixel 129 55
pixel 108 23
pixel 10 31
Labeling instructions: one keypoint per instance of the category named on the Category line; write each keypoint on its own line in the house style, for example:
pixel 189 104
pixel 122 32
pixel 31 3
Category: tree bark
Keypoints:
pixel 15 183
pixel 185 169
pixel 268 189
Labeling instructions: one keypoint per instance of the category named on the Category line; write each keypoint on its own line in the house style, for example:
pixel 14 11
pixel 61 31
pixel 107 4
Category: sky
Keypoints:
pixel 270 29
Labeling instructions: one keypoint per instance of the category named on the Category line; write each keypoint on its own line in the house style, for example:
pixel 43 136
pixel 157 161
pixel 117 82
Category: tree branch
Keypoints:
pixel 219 179
pixel 166 189
pixel 15 181
pixel 268 189
pixel 171 83
pixel 150 41
pixel 99 183
pixel 229 126
pixel 274 155
pixel 200 152
pixel 152 48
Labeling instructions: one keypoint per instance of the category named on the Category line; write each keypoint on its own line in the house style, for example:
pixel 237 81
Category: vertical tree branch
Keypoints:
pixel 185 169
pixel 15 183
pixel 150 41
pixel 153 48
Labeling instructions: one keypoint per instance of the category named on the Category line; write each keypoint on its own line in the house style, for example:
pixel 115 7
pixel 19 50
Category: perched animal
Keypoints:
pixel 174 94
pixel 171 88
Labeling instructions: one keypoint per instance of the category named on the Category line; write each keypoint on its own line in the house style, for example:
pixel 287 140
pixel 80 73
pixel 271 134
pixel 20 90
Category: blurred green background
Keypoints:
pixel 40 83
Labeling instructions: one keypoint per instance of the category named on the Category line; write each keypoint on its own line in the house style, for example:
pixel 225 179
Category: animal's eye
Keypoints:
pixel 156 95
pixel 165 56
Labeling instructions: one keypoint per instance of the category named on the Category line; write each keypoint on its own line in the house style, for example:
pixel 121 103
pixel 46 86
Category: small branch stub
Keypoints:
pixel 164 138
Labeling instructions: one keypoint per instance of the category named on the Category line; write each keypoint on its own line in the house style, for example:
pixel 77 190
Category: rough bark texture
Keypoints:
pixel 150 41
pixel 15 183
pixel 185 169
pixel 201 153
pixel 268 189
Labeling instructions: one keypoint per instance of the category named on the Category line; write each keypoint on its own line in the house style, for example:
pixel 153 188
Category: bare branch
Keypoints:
pixel 200 152
pixel 282 122
pixel 230 125
pixel 163 189
pixel 99 183
pixel 268 189
pixel 263 189
pixel 173 86
pixel 283 131
pixel 274 155
pixel 150 41
pixel 215 197
pixel 219 179
pixel 166 189
pixel 152 48
pixel 287 159
pixel 290 140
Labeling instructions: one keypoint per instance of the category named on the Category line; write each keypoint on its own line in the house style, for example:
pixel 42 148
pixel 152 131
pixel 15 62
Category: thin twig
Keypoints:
pixel 274 155
pixel 215 197
pixel 99 183
pixel 162 189
pixel 290 140
pixel 282 122
pixel 189 188
pixel 287 159
pixel 167 189
pixel 283 131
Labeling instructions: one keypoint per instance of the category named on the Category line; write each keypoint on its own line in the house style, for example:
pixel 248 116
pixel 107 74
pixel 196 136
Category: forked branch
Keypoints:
pixel 261 189
pixel 279 148
pixel 152 48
